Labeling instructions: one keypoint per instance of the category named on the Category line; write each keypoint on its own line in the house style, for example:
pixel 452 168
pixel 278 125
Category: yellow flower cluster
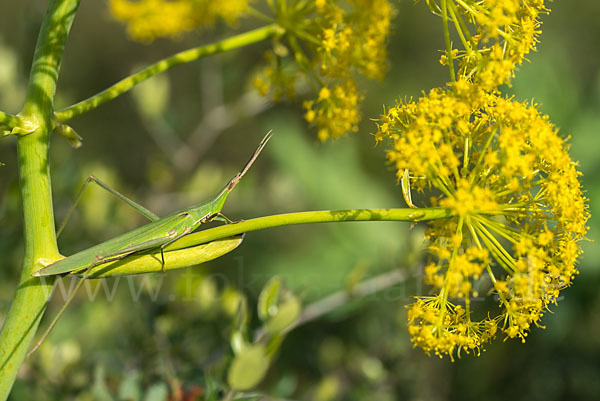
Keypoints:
pixel 518 208
pixel 460 333
pixel 504 33
pixel 335 111
pixel 150 19
pixel 330 42
pixel 354 39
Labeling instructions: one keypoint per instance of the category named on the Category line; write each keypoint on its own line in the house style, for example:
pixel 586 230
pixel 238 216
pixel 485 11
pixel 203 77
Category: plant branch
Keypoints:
pixel 211 243
pixel 186 56
pixel 8 121
pixel 340 298
pixel 323 216
pixel 31 295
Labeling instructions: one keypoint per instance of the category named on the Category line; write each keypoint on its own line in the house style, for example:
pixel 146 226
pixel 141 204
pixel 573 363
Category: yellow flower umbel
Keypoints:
pixel 329 43
pixel 495 36
pixel 150 19
pixel 518 210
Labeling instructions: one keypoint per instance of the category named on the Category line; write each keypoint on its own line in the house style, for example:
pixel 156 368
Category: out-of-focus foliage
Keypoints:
pixel 140 338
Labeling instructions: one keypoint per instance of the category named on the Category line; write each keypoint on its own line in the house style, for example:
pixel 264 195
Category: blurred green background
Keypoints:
pixel 178 138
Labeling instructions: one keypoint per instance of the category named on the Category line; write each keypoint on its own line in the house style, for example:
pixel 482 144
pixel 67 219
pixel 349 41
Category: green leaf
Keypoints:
pixel 273 344
pixel 238 342
pixel 268 299
pixel 235 305
pixel 287 313
pixel 248 368
pixel 148 262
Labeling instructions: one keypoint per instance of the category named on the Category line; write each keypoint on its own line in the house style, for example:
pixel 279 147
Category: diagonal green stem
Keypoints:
pixel 186 56
pixel 31 295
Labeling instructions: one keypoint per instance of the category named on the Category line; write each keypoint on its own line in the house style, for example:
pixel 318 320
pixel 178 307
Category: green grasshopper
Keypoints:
pixel 161 232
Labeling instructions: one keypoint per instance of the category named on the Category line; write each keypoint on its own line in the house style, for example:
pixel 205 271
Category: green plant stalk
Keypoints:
pixel 31 295
pixel 211 243
pixel 8 121
pixel 323 216
pixel 186 56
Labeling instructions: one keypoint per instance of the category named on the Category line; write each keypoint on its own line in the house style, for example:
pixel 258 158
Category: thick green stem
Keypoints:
pixel 186 56
pixel 324 216
pixel 31 295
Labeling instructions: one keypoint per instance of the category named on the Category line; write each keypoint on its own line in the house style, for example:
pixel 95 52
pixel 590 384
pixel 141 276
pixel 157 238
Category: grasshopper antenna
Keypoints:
pixel 233 182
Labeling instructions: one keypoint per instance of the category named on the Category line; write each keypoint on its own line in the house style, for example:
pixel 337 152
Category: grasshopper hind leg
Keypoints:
pixel 142 210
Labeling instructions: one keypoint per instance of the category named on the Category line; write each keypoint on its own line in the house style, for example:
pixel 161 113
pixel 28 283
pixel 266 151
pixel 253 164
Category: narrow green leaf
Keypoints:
pixel 176 259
